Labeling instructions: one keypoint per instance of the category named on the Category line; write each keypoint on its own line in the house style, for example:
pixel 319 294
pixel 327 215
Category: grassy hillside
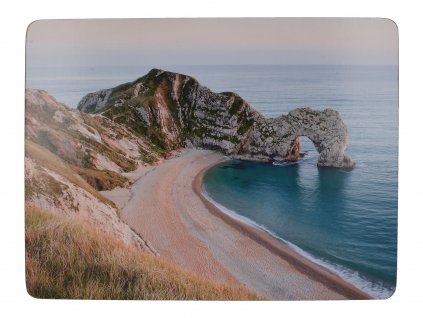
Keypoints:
pixel 44 158
pixel 68 258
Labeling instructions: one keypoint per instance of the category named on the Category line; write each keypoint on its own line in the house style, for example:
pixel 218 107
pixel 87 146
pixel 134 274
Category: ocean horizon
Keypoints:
pixel 68 84
pixel 344 221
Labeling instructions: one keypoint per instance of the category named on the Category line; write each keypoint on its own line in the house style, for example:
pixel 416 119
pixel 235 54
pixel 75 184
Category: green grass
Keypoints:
pixel 125 115
pixel 245 126
pixel 236 105
pixel 147 157
pixel 67 258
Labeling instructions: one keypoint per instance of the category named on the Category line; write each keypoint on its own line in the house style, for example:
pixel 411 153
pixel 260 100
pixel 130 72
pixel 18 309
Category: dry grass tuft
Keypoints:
pixel 68 258
pixel 102 180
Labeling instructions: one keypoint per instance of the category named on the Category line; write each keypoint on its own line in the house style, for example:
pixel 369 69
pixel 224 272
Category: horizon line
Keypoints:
pixel 156 65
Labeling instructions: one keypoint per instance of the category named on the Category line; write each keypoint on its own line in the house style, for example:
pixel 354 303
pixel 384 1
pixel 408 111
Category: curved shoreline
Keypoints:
pixel 164 207
pixel 299 262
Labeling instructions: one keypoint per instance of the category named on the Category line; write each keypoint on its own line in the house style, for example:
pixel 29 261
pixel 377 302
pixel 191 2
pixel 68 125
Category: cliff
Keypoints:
pixel 70 156
pixel 77 246
pixel 173 110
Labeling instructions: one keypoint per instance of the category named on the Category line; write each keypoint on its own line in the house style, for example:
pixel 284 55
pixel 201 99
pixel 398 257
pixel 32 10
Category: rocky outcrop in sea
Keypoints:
pixel 174 110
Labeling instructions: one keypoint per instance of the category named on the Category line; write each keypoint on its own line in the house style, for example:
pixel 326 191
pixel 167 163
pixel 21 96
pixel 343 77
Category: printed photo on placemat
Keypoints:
pixel 211 159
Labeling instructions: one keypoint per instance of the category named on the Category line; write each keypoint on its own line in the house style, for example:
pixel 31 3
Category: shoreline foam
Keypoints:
pixel 167 208
pixel 373 290
pixel 275 244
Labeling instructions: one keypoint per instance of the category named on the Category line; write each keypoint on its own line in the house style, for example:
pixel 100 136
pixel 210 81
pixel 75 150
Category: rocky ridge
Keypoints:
pixel 70 156
pixel 174 110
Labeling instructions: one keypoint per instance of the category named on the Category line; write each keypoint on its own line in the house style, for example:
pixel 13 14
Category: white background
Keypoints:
pixel 15 17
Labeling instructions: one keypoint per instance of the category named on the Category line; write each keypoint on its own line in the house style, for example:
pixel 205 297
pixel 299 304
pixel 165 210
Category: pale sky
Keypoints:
pixel 212 41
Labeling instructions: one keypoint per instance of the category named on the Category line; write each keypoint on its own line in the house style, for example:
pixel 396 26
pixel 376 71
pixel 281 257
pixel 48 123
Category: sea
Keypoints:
pixel 345 221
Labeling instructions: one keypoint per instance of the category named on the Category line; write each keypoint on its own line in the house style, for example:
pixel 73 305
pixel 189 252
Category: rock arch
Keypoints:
pixel 187 113
pixel 326 130
pixel 277 139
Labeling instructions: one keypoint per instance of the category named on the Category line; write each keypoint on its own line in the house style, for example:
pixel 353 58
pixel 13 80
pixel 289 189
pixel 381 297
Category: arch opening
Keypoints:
pixel 302 147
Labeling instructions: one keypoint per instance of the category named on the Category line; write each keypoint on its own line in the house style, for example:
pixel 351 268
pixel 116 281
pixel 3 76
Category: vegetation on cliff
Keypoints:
pixel 78 247
pixel 173 110
pixel 71 156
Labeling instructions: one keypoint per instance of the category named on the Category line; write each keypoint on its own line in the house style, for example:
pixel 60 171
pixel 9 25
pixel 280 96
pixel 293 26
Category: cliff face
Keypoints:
pixel 174 110
pixel 70 155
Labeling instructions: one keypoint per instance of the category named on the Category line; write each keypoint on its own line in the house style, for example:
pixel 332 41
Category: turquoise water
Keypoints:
pixel 331 215
pixel 346 221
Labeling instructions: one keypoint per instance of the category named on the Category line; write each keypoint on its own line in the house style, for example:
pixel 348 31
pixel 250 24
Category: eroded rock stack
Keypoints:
pixel 173 110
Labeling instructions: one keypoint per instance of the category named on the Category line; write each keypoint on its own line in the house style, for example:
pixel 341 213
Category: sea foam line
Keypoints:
pixel 374 289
